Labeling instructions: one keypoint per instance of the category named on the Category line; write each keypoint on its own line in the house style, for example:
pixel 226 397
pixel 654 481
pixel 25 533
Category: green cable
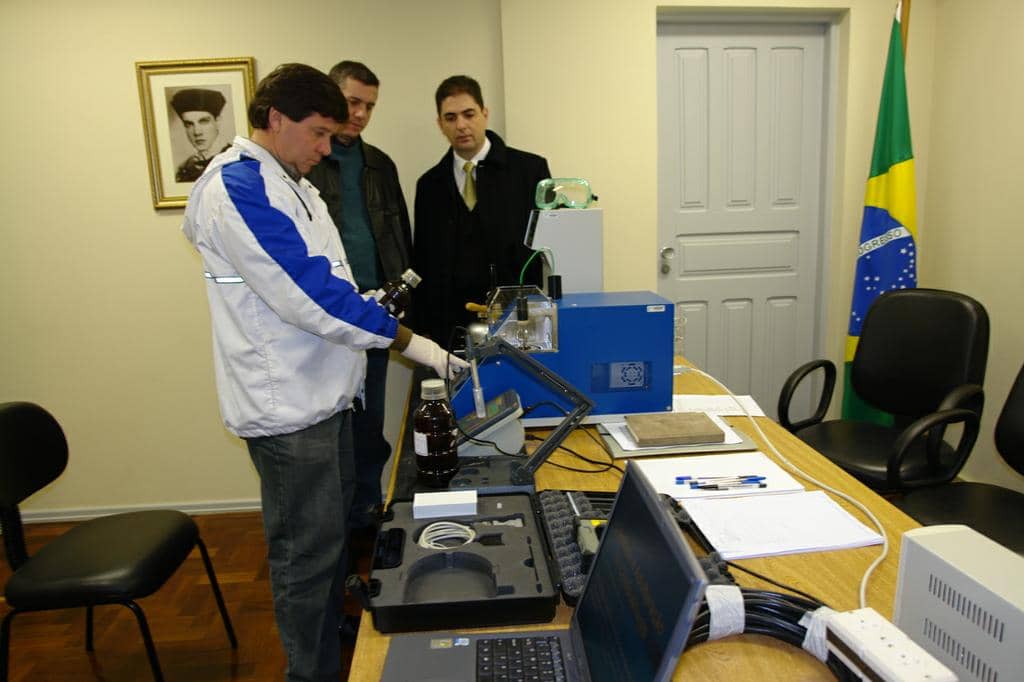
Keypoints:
pixel 522 273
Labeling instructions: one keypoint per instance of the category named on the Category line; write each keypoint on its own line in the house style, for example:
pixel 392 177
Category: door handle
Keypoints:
pixel 667 253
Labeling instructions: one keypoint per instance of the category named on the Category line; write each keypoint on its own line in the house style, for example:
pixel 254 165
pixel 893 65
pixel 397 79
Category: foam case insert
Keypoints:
pixel 501 577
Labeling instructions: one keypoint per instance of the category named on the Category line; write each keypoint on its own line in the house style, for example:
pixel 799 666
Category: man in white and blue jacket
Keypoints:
pixel 289 334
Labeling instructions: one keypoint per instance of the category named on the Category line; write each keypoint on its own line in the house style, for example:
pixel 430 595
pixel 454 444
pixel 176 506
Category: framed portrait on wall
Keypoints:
pixel 191 110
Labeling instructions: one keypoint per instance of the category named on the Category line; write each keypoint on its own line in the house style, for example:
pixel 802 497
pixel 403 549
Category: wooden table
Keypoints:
pixel 833 577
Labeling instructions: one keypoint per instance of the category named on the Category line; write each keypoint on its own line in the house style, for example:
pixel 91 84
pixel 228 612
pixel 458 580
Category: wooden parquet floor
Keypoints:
pixel 187 630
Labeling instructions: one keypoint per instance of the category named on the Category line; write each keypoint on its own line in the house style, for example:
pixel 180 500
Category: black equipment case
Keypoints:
pixel 501 577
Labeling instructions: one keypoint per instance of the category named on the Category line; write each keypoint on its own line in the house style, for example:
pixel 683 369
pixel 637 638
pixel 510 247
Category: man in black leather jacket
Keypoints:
pixel 359 183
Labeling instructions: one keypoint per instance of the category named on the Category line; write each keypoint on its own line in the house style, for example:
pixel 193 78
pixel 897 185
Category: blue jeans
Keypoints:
pixel 371 448
pixel 306 484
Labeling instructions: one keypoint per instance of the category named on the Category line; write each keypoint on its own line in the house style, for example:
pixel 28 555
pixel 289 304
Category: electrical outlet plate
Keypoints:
pixel 876 649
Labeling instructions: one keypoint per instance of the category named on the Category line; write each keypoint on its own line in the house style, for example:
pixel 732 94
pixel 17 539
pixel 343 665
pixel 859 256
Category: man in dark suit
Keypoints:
pixel 471 213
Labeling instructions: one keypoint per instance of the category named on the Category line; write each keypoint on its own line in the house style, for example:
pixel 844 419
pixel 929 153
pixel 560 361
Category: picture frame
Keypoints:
pixel 191 110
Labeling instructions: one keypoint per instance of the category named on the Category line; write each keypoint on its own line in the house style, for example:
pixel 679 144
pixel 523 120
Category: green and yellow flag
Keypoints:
pixel 887 256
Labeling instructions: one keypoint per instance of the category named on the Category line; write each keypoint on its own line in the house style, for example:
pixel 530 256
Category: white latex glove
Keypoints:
pixel 377 294
pixel 423 351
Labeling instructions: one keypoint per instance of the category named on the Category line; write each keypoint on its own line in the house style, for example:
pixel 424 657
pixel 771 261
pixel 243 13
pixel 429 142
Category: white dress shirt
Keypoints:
pixel 458 162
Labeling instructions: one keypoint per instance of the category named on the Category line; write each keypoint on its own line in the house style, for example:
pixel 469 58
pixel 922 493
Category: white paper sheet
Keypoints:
pixel 662 473
pixel 722 405
pixel 770 525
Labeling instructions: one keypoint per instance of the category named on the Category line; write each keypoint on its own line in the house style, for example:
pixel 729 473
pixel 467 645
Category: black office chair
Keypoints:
pixel 921 357
pixel 109 560
pixel 989 509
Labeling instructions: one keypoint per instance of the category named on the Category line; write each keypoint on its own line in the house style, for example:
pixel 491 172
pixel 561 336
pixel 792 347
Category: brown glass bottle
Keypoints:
pixel 398 293
pixel 434 433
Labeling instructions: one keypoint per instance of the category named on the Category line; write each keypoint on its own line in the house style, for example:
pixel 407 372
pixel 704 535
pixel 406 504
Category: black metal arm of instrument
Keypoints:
pixel 562 389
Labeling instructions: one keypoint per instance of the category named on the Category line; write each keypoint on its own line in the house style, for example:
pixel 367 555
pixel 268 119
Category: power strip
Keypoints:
pixel 875 649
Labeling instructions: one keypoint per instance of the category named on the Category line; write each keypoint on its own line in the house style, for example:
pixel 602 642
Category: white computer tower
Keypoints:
pixel 960 596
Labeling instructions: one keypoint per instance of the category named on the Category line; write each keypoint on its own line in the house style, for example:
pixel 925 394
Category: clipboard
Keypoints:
pixel 612 446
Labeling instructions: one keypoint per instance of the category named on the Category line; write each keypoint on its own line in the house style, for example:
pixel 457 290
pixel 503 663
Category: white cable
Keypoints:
pixel 807 477
pixel 435 535
pixel 550 254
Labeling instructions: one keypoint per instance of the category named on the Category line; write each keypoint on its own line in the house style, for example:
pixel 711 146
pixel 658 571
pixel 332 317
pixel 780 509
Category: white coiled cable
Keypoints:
pixel 436 534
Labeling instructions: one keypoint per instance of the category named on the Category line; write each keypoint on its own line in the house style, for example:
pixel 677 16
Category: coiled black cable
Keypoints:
pixel 772 614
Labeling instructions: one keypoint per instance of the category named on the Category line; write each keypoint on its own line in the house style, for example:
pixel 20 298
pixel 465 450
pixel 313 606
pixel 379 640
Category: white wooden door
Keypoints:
pixel 740 131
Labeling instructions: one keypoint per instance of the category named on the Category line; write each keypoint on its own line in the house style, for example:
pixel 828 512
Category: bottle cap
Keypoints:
pixel 433 389
pixel 411 278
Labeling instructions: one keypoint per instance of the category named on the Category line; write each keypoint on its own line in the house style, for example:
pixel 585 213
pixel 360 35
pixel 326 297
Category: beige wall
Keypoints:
pixel 104 317
pixel 974 232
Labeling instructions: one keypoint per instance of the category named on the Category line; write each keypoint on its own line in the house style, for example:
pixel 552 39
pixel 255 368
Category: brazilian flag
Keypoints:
pixel 887 255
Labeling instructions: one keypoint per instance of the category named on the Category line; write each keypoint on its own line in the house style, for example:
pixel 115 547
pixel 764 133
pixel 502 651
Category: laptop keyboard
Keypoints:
pixel 536 659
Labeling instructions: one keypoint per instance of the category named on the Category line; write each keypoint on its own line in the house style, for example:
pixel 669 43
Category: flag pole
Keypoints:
pixel 904 24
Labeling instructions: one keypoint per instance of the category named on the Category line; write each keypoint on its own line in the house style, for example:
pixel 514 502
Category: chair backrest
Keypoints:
pixel 917 345
pixel 33 453
pixel 1010 426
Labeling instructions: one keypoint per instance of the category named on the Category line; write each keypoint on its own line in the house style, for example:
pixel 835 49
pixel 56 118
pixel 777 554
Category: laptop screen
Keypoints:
pixel 644 588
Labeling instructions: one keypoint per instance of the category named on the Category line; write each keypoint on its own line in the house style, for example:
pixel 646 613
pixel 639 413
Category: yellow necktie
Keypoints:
pixel 469 191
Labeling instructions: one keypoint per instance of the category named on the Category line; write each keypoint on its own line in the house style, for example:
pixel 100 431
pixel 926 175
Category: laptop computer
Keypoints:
pixel 631 621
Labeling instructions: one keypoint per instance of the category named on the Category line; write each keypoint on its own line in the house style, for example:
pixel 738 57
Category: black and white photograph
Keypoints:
pixel 191 110
pixel 201 127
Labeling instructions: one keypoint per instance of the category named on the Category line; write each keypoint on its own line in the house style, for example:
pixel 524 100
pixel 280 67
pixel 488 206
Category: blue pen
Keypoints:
pixel 725 486
pixel 680 480
pixel 730 481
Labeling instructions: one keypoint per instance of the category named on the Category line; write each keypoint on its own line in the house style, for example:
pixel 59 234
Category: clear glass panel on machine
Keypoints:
pixel 524 317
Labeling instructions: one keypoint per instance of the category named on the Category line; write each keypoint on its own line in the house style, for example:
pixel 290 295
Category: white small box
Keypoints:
pixel 449 503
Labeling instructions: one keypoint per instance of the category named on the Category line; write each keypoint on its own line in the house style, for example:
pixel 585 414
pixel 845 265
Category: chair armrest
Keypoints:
pixel 789 388
pixel 967 396
pixel 915 430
